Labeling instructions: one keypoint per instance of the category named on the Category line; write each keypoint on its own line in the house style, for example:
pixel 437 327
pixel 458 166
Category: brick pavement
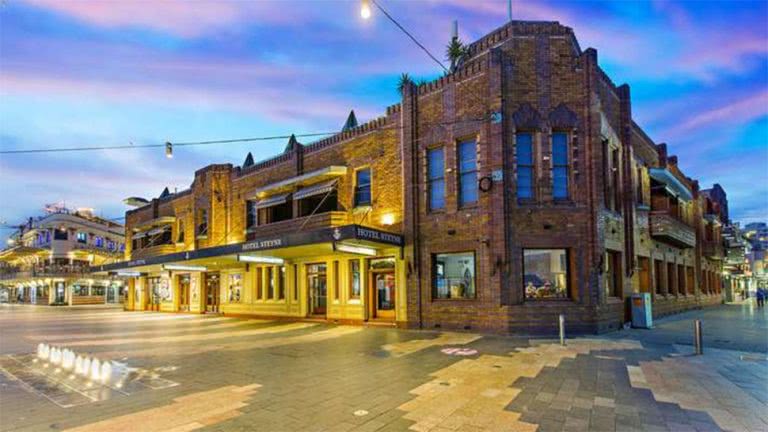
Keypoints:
pixel 237 375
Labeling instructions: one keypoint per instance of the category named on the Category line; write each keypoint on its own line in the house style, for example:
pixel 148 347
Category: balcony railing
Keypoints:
pixel 713 249
pixel 666 228
pixel 317 221
pixel 46 271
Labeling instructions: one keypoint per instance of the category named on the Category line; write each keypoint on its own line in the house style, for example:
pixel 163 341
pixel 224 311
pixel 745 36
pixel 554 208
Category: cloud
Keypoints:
pixel 741 111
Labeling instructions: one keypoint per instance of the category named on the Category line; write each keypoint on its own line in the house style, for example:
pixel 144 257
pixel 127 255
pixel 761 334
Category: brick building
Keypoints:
pixel 494 198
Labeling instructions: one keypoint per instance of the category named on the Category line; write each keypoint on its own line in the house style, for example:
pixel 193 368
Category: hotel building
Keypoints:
pixel 48 260
pixel 494 198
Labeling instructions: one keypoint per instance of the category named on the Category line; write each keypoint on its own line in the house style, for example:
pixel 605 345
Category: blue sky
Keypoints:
pixel 77 73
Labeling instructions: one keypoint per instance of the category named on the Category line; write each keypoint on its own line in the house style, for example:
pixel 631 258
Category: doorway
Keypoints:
pixel 383 289
pixel 317 283
pixel 184 293
pixel 644 274
pixel 59 292
pixel 212 292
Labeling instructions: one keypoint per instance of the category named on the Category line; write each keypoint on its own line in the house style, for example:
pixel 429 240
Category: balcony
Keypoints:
pixel 667 229
pixel 713 249
pixel 44 271
pixel 318 221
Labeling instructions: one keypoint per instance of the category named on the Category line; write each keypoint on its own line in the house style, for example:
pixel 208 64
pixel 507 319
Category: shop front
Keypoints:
pixel 347 274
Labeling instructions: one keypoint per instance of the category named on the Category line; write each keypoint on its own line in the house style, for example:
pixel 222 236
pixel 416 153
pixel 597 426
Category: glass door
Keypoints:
pixel 184 293
pixel 318 288
pixel 212 292
pixel 384 294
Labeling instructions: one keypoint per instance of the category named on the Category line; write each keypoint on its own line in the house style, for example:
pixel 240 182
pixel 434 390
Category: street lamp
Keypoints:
pixel 365 9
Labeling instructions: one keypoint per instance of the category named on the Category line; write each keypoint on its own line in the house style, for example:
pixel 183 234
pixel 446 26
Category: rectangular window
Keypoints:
pixel 235 288
pixel 202 222
pixel 545 273
pixel 250 214
pixel 336 281
pixel 560 165
pixel 524 144
pixel 363 187
pixel 99 241
pixel 259 284
pixel 681 287
pixel 110 245
pixel 354 279
pixel 615 177
pixel 60 234
pixel 613 286
pixel 671 282
pixel 453 276
pixel 436 178
pixel 467 173
pixel 270 283
pixel 82 237
pixel 180 230
pixel 281 283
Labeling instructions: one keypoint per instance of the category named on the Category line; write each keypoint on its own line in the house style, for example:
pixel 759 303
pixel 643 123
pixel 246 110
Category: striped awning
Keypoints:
pixel 271 201
pixel 317 189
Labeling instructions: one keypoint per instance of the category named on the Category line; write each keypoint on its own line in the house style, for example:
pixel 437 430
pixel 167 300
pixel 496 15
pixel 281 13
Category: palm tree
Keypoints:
pixel 454 52
pixel 404 80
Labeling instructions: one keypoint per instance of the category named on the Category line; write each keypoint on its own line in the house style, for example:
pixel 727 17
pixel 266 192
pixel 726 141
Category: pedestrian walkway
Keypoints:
pixel 231 374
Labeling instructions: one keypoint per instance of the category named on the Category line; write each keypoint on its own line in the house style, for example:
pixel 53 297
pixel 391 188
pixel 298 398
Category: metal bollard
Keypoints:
pixel 562 329
pixel 697 337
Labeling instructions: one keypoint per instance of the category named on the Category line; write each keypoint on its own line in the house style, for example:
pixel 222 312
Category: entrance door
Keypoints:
pixel 211 292
pixel 112 293
pixel 184 293
pixel 644 274
pixel 318 288
pixel 384 295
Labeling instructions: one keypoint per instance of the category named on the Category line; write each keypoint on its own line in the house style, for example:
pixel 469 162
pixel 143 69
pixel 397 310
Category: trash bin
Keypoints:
pixel 641 310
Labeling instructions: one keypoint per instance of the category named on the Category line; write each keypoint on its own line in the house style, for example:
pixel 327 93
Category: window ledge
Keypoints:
pixel 549 299
pixel 454 300
pixel 202 237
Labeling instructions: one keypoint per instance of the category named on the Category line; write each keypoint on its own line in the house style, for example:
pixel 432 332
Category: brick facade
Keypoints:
pixel 628 211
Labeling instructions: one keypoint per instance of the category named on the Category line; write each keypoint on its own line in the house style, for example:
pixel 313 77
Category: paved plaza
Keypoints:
pixel 214 373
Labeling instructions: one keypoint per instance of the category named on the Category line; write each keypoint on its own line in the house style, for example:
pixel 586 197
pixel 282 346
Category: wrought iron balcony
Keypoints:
pixel 713 249
pixel 44 271
pixel 665 228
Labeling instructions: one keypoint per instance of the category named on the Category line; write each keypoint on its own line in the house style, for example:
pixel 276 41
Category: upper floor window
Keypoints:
pixel 436 178
pixel 60 234
pixel 110 245
pixel 524 143
pixel 467 173
pixel 82 237
pixel 612 179
pixel 202 222
pixel 363 187
pixel 180 232
pixel 250 214
pixel 559 165
pixel 98 241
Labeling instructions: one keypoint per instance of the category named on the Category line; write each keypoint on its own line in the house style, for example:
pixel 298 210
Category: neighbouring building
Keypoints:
pixel 48 260
pixel 494 198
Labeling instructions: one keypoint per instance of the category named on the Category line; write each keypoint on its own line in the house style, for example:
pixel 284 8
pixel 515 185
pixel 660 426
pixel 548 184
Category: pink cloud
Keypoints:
pixel 741 111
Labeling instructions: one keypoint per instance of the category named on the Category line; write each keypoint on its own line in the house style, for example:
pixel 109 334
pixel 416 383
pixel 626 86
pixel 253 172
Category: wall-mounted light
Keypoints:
pixel 182 267
pixel 388 219
pixel 360 250
pixel 260 259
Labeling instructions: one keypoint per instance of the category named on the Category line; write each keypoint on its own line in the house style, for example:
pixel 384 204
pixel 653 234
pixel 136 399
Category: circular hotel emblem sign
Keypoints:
pixel 459 351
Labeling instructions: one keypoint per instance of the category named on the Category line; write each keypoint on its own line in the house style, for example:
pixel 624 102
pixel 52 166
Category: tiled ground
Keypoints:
pixel 243 375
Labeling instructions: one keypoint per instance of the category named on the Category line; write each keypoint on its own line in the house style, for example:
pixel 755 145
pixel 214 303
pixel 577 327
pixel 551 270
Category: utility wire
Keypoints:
pixel 409 35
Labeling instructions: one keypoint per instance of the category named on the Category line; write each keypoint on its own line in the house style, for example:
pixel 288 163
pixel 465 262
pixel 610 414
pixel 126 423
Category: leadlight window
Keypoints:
pixel 467 173
pixel 180 235
pixel 525 167
pixel 436 178
pixel 453 276
pixel 235 288
pixel 363 187
pixel 250 214
pixel 560 165
pixel 545 273
pixel 354 279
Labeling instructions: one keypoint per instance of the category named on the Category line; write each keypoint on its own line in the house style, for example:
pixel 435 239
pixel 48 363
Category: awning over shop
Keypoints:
pixel 347 233
pixel 673 185
pixel 272 201
pixel 290 184
pixel 317 189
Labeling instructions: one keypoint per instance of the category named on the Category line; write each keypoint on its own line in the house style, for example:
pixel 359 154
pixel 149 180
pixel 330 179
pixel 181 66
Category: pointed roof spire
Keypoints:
pixel 351 122
pixel 166 193
pixel 293 143
pixel 248 160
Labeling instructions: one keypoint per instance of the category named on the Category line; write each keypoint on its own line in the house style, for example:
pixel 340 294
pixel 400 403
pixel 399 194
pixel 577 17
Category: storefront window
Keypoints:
pixel 235 288
pixel 80 290
pixel 354 279
pixel 98 290
pixel 454 276
pixel 270 283
pixel 281 283
pixel 545 273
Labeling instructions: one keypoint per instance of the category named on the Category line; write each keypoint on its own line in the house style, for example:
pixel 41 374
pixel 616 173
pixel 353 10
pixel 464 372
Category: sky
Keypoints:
pixel 97 73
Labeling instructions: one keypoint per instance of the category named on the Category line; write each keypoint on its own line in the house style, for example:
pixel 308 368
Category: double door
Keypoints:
pixel 317 281
pixel 383 292
pixel 212 283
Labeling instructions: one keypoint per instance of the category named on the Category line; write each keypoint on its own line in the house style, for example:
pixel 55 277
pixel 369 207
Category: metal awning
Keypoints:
pixel 272 201
pixel 672 184
pixel 290 184
pixel 317 189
